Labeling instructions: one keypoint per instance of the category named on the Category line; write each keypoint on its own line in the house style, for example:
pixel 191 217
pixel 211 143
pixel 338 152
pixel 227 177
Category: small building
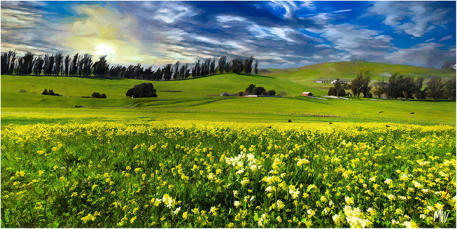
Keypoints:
pixel 306 93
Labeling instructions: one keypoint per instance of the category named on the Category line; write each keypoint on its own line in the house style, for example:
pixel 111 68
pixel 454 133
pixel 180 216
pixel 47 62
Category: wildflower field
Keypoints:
pixel 210 174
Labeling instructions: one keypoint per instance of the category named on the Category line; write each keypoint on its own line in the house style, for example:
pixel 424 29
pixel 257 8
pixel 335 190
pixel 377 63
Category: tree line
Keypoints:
pixel 398 86
pixel 83 66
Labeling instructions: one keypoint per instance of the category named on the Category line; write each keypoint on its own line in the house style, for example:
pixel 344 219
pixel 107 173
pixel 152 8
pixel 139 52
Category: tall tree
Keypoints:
pixel 48 64
pixel 256 70
pixel 450 89
pixel 38 66
pixel 86 66
pixel 101 67
pixel 176 71
pixel 74 65
pixel 167 72
pixel 221 64
pixel 58 63
pixel 435 88
pixel 67 65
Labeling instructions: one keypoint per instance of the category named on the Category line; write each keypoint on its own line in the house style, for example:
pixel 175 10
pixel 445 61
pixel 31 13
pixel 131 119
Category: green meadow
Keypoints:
pixel 199 99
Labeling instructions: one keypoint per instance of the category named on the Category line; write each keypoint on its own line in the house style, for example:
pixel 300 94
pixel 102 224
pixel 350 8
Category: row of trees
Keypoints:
pixel 83 66
pixel 398 86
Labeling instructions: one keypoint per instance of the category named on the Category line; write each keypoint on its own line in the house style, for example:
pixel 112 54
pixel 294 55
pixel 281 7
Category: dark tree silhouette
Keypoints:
pixel 221 64
pixel 38 66
pixel 435 88
pixel 101 67
pixel 67 65
pixel 74 65
pixel 58 63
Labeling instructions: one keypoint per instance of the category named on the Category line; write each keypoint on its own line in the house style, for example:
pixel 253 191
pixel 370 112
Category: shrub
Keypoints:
pixel 50 92
pixel 142 90
pixel 271 92
pixel 259 91
pixel 98 95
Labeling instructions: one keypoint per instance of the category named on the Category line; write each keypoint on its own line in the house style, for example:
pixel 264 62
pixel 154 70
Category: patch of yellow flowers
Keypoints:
pixel 223 174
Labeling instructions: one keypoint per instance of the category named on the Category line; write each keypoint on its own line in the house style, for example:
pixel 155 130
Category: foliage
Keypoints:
pixel 142 90
pixel 82 66
pixel 339 88
pixel 50 92
pixel 201 174
pixel 98 95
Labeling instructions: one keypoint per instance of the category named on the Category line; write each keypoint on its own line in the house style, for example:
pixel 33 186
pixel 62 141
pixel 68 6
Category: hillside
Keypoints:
pixel 308 75
pixel 198 100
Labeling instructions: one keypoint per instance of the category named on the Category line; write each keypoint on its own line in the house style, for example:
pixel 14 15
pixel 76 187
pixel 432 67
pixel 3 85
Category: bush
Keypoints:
pixel 142 90
pixel 98 95
pixel 271 92
pixel 259 91
pixel 50 92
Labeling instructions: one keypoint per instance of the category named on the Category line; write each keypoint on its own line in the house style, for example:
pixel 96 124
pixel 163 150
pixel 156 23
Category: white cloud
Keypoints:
pixel 425 54
pixel 357 41
pixel 412 18
pixel 172 13
pixel 342 11
pixel 229 18
pixel 448 37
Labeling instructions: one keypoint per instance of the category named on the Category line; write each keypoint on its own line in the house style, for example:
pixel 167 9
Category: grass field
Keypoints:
pixel 191 158
pixel 307 75
pixel 198 100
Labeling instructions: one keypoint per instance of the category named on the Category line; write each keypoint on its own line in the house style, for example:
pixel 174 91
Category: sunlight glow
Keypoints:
pixel 104 49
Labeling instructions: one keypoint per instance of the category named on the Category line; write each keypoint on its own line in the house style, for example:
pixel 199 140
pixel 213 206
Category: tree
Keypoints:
pixel 250 89
pixel 101 67
pixel 408 87
pixel 360 84
pixel 86 65
pixel 58 64
pixel 256 70
pixel 67 65
pixel 338 88
pixel 38 66
pixel 419 93
pixel 259 91
pixel 48 64
pixel 167 72
pixel 142 90
pixel 450 89
pixel 176 71
pixel 248 65
pixel 212 67
pixel 74 65
pixel 25 64
pixel 435 88
pixel 4 63
pixel 380 89
pixel 221 64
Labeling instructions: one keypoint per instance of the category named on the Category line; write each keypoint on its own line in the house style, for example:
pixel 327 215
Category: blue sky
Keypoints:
pixel 279 34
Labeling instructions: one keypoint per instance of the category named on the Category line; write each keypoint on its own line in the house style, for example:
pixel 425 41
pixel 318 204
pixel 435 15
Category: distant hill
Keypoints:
pixel 318 76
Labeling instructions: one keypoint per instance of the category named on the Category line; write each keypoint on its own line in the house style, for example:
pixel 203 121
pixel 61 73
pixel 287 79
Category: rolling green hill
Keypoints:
pixel 308 75
pixel 198 99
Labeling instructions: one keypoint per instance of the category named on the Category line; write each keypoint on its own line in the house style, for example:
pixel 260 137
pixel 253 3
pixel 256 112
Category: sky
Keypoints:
pixel 279 34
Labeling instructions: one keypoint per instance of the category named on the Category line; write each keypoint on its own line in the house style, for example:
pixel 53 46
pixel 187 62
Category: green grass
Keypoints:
pixel 198 99
pixel 347 70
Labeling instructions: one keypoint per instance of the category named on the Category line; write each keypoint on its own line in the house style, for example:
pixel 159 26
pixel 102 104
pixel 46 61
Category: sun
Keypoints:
pixel 104 49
